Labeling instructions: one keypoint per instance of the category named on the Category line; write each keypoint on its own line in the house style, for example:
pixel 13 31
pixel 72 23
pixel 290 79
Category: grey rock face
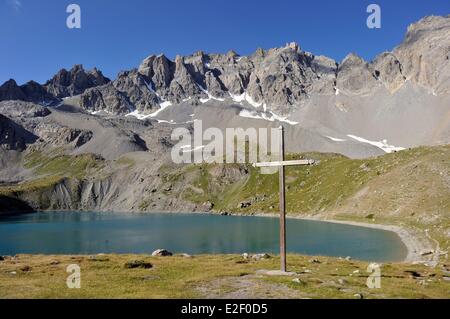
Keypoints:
pixel 287 76
pixel 134 85
pixel 13 136
pixel 425 54
pixel 35 92
pixel 355 76
pixel 57 135
pixel 183 84
pixel 30 92
pixel 21 109
pixel 159 71
pixel 129 92
pixel 105 98
pixel 326 72
pixel 213 85
pixel 388 69
pixel 278 77
pixel 76 81
pixel 11 91
pixel 63 84
pixel 233 71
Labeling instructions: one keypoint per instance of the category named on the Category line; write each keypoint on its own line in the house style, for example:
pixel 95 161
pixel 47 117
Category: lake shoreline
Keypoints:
pixel 414 243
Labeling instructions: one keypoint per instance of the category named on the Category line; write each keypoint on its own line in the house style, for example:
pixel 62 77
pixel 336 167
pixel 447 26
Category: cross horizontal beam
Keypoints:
pixel 284 163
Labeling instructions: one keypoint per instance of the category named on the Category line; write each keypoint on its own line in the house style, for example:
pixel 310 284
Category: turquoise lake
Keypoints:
pixel 93 232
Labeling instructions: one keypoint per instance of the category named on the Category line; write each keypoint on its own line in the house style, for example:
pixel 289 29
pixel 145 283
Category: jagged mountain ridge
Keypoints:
pixel 63 84
pixel 278 79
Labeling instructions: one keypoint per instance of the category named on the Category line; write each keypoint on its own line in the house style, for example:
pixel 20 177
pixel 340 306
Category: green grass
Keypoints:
pixel 211 276
pixel 32 186
pixel 48 171
pixel 310 189
pixel 70 166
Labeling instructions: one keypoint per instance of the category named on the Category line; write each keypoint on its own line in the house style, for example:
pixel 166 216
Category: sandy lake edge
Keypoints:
pixel 416 244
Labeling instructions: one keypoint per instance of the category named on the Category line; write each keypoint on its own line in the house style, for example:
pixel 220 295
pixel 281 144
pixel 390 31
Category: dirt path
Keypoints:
pixel 246 287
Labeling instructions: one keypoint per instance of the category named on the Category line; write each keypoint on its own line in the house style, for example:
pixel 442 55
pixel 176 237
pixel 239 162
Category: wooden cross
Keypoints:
pixel 281 164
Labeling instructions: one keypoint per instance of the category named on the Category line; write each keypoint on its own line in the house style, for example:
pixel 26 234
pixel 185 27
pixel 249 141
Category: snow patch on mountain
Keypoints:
pixel 382 144
pixel 189 149
pixel 245 97
pixel 267 116
pixel 334 139
pixel 142 116
pixel 210 97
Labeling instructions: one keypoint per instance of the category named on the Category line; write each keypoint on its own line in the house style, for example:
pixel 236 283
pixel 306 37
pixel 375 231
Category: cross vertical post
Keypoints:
pixel 281 164
pixel 282 204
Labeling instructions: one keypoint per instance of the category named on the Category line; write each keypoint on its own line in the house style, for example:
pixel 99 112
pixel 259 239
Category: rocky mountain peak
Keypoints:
pixel 350 60
pixel 146 66
pixel 232 54
pixel 158 70
pixel 35 92
pixel 11 91
pixel 10 83
pixel 199 53
pixel 259 53
pixel 355 77
pixel 425 54
pixel 293 46
pixel 76 81
pixel 31 92
pixel 77 68
pixel 428 23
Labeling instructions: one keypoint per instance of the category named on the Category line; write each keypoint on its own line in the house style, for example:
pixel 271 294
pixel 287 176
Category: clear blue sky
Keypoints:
pixel 117 35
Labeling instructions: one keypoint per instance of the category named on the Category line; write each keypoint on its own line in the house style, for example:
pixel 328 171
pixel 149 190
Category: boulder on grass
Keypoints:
pixel 162 253
pixel 260 256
